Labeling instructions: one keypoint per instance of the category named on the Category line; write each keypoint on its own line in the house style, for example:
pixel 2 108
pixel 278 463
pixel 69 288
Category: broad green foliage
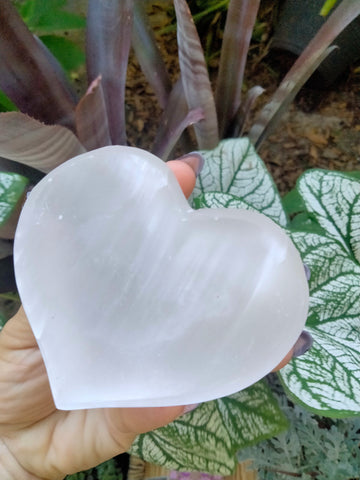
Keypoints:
pixel 306 451
pixel 70 55
pixel 327 234
pixel 6 105
pixel 43 18
pixel 208 438
pixel 49 21
pixel 106 471
pixel 219 200
pixel 234 168
pixel 12 187
pixel 327 379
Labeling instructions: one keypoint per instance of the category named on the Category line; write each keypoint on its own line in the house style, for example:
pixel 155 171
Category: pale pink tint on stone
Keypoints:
pixel 137 300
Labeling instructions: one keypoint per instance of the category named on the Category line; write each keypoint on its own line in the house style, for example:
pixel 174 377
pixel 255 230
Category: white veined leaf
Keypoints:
pixel 220 200
pixel 327 378
pixel 208 438
pixel 234 167
pixel 12 188
pixel 334 200
pixel 326 257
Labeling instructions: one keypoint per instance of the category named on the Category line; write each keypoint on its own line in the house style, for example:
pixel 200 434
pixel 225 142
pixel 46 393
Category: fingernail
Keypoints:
pixel 303 344
pixel 195 160
pixel 307 272
pixel 190 408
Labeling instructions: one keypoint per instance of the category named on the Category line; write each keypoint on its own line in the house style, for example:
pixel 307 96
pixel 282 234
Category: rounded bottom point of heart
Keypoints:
pixel 138 300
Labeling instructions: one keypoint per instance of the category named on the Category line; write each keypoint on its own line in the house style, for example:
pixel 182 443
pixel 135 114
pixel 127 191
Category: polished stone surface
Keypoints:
pixel 138 300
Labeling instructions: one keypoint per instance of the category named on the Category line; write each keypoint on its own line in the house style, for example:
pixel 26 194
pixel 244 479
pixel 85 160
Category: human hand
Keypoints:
pixel 39 442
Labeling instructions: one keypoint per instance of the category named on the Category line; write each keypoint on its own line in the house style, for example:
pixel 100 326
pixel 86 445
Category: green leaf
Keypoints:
pixel 108 471
pixel 208 438
pixel 326 380
pixel 6 105
pixel 312 448
pixel 105 471
pixel 67 52
pixel 334 201
pixel 234 167
pixel 12 187
pixel 293 202
pixel 2 320
pixel 220 200
pixel 327 7
pixel 47 17
pixel 54 101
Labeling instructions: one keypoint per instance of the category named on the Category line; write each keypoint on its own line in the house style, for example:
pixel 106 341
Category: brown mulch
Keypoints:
pixel 321 129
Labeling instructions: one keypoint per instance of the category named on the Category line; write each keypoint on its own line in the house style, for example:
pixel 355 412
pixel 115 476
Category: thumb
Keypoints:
pixel 134 421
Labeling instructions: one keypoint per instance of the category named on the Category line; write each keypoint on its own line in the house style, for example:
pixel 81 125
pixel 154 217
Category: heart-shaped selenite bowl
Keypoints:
pixel 135 299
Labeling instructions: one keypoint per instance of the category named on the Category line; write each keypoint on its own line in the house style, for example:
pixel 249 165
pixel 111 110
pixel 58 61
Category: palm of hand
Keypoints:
pixel 37 441
pixel 44 443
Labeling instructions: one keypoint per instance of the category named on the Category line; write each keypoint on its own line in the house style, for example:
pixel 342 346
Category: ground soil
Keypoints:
pixel 321 129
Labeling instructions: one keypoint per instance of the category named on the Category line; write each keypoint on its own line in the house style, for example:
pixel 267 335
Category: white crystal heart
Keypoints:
pixel 137 300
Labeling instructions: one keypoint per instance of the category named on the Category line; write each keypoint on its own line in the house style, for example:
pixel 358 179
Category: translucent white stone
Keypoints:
pixel 137 300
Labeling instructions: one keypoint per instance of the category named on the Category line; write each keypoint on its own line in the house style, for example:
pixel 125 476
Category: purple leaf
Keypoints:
pixel 242 115
pixel 195 77
pixel 91 118
pixel 148 54
pixel 316 51
pixel 27 77
pixel 175 112
pixel 40 146
pixel 239 26
pixel 109 29
pixel 168 142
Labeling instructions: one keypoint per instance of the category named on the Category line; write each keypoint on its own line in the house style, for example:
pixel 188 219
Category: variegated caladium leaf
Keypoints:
pixel 208 438
pixel 234 168
pixel 333 200
pixel 12 188
pixel 327 378
pixel 219 200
